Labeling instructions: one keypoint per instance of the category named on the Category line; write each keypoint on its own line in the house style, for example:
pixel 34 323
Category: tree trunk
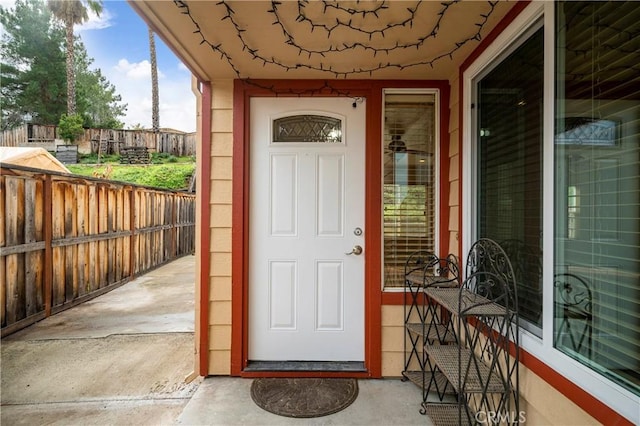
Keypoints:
pixel 155 99
pixel 71 75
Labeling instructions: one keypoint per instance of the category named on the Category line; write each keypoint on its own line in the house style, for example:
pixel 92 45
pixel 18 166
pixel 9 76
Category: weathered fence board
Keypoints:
pixel 103 141
pixel 3 243
pixel 65 239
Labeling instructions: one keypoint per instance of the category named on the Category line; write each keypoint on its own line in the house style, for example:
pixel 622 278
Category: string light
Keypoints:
pixel 345 21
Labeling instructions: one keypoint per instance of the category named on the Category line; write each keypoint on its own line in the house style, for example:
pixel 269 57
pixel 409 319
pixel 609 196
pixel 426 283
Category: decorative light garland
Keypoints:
pixel 431 33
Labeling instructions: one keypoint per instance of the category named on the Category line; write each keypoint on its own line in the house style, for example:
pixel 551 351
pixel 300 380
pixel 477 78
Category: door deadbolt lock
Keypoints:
pixel 357 250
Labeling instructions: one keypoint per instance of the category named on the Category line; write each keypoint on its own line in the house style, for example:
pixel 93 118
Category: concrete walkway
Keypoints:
pixel 122 359
pixel 119 359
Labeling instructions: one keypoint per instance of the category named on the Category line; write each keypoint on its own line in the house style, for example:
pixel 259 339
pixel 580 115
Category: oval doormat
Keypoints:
pixel 303 397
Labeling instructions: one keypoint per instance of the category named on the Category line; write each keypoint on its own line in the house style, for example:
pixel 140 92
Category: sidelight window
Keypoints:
pixel 409 180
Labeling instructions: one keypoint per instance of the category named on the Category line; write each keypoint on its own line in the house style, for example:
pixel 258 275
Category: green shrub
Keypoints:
pixel 70 127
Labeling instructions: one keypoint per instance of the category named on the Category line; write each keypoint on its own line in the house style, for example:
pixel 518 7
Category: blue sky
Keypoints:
pixel 117 40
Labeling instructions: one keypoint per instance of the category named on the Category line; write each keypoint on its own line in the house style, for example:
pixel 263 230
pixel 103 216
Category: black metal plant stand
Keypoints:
pixel 482 367
pixel 422 319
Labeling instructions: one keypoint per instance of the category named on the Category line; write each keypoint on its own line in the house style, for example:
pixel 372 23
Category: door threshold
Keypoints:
pixel 331 366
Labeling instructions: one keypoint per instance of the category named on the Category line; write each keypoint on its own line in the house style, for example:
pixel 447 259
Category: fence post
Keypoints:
pixel 132 226
pixel 48 249
pixel 174 233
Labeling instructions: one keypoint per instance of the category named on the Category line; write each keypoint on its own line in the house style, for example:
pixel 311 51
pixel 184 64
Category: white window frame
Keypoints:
pixel 608 392
pixel 436 171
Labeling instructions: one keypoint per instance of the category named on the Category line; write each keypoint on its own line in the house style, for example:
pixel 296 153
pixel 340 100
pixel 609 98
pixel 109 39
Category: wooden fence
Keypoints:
pixel 65 239
pixel 106 141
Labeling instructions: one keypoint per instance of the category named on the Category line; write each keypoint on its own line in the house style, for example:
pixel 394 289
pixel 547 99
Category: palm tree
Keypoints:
pixel 155 99
pixel 72 12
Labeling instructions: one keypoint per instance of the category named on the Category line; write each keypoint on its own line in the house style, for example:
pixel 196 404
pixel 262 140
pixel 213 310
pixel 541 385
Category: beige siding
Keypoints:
pixel 544 405
pixel 392 340
pixel 220 227
pixel 454 167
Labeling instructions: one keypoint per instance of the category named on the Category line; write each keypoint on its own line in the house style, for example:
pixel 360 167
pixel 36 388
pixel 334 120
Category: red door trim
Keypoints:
pixel 372 91
pixel 204 188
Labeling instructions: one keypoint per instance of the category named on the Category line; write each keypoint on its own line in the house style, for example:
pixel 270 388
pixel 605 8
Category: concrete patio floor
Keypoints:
pixel 123 359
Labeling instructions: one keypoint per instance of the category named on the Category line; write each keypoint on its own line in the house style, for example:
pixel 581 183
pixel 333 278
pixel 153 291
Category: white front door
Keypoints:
pixel 306 295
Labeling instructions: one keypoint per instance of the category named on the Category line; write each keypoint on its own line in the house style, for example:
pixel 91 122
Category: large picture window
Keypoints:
pixel 508 152
pixel 597 187
pixel 551 151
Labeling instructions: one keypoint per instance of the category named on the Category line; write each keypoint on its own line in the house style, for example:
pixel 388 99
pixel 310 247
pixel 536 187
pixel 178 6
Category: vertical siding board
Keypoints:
pixel 38 257
pixel 171 249
pixel 177 205
pixel 126 226
pixel 153 240
pixel 135 211
pixel 102 228
pixel 21 294
pixel 3 272
pixel 10 239
pixel 57 217
pixel 119 228
pixel 111 215
pixel 166 219
pixel 94 257
pixel 178 224
pixel 137 238
pixel 33 209
pixel 148 235
pixel 141 218
pixel 70 231
pixel 47 232
pixel 14 230
pixel 82 226
pixel 132 225
pixel 115 242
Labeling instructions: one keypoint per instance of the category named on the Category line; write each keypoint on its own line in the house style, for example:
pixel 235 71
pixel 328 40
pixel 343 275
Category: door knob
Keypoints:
pixel 357 250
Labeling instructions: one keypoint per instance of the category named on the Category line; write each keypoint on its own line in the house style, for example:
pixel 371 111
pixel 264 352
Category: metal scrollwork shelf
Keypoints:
pixel 469 339
pixel 424 269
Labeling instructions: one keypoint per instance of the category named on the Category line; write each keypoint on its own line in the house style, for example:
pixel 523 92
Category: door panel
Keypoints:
pixel 330 190
pixel 306 295
pixel 284 195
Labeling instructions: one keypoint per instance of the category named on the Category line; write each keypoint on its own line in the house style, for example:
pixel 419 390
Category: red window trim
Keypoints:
pixel 587 402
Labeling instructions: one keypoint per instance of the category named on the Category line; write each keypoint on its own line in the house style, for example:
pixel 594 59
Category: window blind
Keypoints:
pixel 408 187
pixel 597 187
pixel 509 166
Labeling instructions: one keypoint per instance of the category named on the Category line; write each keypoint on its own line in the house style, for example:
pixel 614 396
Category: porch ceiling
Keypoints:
pixel 321 39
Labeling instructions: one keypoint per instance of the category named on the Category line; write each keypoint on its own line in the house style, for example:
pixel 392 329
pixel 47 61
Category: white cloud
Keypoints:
pixel 95 22
pixel 133 83
pixel 136 70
